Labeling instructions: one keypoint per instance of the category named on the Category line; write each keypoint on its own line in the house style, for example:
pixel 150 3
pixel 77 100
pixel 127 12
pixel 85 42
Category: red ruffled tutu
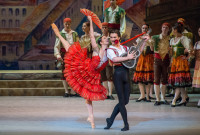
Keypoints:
pixel 82 75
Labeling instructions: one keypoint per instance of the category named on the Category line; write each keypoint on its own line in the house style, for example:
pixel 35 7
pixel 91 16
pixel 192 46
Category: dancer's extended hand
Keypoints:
pixel 59 58
pixel 89 18
pixel 131 55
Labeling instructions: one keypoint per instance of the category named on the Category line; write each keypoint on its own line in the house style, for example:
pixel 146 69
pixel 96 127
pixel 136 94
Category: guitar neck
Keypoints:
pixel 140 44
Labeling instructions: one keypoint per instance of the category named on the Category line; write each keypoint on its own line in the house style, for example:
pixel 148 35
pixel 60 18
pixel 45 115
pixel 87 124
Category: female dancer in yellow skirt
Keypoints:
pixel 179 76
pixel 144 75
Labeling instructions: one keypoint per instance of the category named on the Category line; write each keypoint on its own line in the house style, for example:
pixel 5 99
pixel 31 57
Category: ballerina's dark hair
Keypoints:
pixel 179 27
pixel 87 24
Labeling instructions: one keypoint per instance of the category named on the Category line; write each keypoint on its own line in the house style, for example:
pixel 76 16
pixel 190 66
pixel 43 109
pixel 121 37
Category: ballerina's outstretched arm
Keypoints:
pixel 64 42
pixel 92 38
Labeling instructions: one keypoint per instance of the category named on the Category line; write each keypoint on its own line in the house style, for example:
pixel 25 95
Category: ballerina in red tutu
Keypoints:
pixel 83 73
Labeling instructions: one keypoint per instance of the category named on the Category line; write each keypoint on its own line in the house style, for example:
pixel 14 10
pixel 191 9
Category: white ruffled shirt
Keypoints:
pixel 186 42
pixel 111 54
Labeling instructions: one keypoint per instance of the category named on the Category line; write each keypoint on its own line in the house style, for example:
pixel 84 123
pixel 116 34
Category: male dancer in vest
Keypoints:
pixel 161 63
pixel 106 73
pixel 59 51
pixel 115 17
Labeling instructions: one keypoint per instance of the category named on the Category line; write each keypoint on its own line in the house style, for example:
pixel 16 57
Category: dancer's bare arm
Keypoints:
pixel 92 38
pixel 128 57
pixel 64 42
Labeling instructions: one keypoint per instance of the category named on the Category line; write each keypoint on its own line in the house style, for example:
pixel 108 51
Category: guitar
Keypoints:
pixel 131 63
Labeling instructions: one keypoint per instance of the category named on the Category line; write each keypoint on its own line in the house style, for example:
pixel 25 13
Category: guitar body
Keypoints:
pixel 130 63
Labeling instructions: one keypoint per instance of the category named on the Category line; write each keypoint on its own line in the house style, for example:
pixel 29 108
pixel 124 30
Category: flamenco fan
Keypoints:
pixel 94 17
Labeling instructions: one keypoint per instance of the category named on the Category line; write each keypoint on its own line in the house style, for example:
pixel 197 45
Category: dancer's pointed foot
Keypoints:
pixel 55 29
pixel 109 123
pixel 126 127
pixel 91 120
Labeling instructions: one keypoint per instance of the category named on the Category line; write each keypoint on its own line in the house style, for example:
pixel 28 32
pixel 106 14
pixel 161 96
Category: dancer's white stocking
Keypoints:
pixel 147 90
pixel 157 92
pixel 110 87
pixel 177 92
pixel 163 91
pixel 65 86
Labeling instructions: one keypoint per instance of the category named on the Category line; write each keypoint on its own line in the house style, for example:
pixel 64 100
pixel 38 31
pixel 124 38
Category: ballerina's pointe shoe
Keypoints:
pixel 89 119
pixel 55 29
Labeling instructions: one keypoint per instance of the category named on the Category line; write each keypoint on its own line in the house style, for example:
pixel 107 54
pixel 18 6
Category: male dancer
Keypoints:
pixel 115 17
pixel 59 51
pixel 106 73
pixel 120 78
pixel 161 62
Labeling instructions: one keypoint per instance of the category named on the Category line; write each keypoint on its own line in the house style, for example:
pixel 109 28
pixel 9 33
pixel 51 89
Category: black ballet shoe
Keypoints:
pixel 179 99
pixel 151 97
pixel 67 95
pixel 164 102
pixel 110 97
pixel 148 100
pixel 125 128
pixel 75 95
pixel 109 123
pixel 183 103
pixel 142 99
pixel 157 103
pixel 170 95
pixel 187 99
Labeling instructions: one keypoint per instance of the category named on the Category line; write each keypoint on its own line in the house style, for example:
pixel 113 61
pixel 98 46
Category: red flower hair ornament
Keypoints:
pixel 116 41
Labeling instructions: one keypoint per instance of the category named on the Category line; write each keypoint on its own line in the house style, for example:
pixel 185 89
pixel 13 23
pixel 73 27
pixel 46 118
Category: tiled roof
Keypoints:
pixel 44 15
pixel 39 52
pixel 38 14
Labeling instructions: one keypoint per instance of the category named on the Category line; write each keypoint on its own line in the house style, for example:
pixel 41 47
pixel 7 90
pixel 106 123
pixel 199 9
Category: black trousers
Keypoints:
pixel 122 87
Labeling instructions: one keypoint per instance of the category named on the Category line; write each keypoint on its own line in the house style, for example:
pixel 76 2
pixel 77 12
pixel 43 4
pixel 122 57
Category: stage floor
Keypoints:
pixel 54 115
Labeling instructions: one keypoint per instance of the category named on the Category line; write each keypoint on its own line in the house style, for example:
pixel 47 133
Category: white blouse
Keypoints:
pixel 186 42
pixel 197 45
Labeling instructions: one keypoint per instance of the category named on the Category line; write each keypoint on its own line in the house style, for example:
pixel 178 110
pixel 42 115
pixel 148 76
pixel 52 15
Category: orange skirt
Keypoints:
pixel 144 70
pixel 179 75
pixel 82 75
